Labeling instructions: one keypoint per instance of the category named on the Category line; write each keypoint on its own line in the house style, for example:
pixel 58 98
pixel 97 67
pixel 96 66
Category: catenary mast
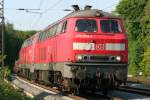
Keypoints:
pixel 2 48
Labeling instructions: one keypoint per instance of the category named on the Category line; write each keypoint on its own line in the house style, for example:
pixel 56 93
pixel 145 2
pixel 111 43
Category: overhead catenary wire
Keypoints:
pixel 19 9
pixel 53 6
pixel 109 6
pixel 75 2
pixel 40 4
pixel 42 10
pixel 45 11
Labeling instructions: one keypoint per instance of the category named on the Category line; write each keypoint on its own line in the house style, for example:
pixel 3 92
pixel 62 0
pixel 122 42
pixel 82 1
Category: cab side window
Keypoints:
pixel 59 28
pixel 64 27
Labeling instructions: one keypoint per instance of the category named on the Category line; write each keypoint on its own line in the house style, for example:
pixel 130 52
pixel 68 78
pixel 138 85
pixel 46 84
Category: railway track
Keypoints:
pixel 53 89
pixel 82 96
pixel 139 91
pixel 88 95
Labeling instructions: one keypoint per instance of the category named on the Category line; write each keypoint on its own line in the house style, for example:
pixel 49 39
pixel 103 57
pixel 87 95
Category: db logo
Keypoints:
pixel 100 46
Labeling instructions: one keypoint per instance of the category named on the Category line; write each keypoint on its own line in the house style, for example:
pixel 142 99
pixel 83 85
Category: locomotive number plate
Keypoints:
pixel 99 46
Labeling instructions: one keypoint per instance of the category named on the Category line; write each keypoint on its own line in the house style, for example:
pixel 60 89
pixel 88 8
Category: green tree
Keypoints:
pixel 145 24
pixel 132 11
pixel 13 41
pixel 146 59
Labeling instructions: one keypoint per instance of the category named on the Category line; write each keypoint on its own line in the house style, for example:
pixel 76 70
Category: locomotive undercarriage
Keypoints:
pixel 79 77
pixel 103 78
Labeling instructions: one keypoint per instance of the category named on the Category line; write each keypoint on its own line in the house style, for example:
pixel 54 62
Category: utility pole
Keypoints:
pixel 2 36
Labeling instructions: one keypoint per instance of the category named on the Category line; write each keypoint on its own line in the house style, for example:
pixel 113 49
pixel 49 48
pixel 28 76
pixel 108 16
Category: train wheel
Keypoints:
pixel 74 91
pixel 60 81
pixel 93 91
pixel 66 84
pixel 105 91
pixel 116 84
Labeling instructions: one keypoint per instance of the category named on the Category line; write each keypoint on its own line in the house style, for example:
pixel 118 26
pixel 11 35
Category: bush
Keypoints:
pixel 146 62
pixel 4 72
pixel 7 92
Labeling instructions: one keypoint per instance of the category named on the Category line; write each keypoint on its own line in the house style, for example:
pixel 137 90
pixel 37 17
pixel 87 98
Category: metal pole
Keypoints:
pixel 2 31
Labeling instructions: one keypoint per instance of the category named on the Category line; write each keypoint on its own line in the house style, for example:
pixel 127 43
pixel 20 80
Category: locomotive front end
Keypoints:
pixel 100 53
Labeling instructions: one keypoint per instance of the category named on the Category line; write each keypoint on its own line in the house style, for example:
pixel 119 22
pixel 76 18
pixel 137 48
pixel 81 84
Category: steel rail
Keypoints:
pixel 140 91
pixel 42 85
pixel 79 97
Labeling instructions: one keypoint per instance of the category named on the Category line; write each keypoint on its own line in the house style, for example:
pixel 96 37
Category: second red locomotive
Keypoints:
pixel 87 49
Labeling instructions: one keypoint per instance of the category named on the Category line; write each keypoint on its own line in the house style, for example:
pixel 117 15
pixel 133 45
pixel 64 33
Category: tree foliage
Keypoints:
pixel 13 41
pixel 136 14
pixel 4 72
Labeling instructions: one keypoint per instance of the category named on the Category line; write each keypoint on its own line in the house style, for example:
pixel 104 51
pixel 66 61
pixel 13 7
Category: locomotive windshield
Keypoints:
pixel 86 26
pixel 110 26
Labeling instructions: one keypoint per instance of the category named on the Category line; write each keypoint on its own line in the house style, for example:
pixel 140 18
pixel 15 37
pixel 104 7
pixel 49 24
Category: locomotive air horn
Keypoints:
pixel 76 7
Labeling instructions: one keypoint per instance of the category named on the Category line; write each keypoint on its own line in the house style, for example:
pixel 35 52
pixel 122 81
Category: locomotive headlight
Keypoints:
pixel 118 58
pixel 79 57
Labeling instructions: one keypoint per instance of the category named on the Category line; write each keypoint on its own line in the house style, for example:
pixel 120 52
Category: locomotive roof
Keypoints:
pixel 89 13
pixel 85 13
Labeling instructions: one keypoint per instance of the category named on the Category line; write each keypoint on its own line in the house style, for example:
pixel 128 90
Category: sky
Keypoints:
pixel 50 11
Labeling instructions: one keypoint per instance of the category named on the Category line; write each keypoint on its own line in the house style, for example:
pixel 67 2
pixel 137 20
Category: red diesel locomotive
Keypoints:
pixel 86 49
